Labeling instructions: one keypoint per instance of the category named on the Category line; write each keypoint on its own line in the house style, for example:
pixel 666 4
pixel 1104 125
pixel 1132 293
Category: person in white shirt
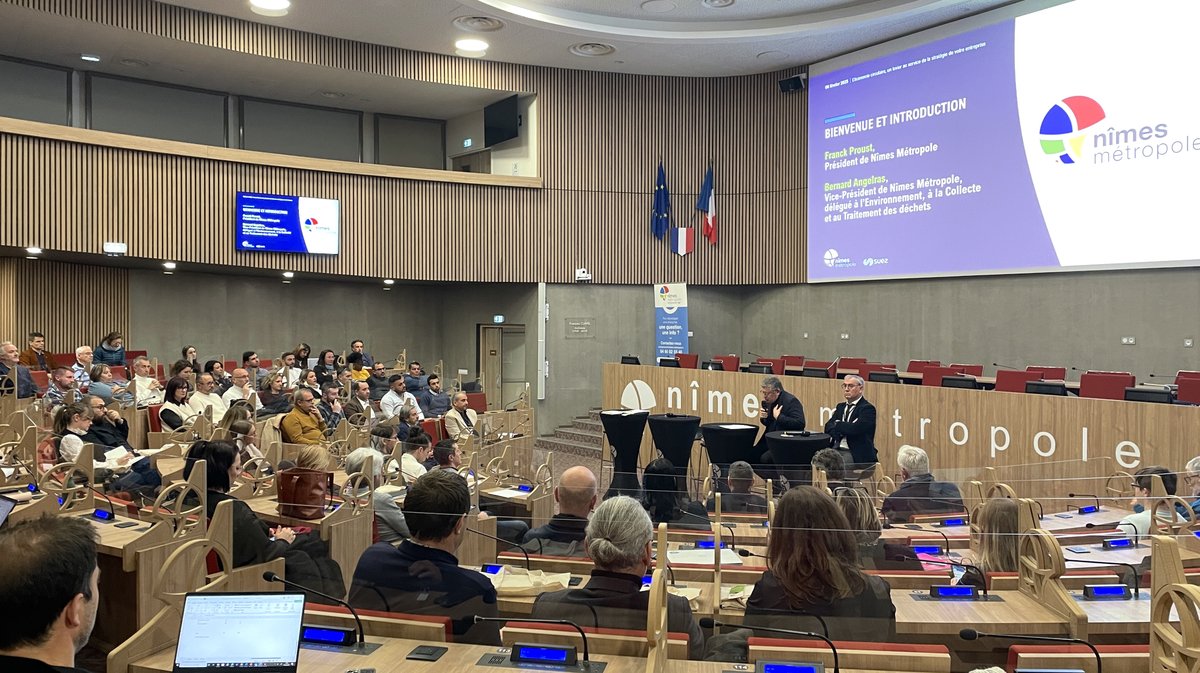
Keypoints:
pixel 206 396
pixel 240 389
pixel 292 379
pixel 417 450
pixel 397 397
pixel 1137 526
pixel 71 422
pixel 83 367
pixel 149 390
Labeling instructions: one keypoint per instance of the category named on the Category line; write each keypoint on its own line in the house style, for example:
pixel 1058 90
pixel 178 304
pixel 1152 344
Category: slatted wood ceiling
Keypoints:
pixel 600 138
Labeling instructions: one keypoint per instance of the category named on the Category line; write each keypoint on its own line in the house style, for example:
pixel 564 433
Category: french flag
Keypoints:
pixel 707 205
pixel 683 240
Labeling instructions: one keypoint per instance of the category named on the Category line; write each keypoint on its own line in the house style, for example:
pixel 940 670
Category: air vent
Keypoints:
pixel 478 24
pixel 592 49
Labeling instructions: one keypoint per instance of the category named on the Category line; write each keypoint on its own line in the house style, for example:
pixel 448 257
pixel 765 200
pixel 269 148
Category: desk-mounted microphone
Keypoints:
pixel 568 622
pixel 503 541
pixel 362 634
pixel 997 364
pixel 972 634
pixel 1137 582
pixel 708 623
pixel 957 564
pixel 1086 495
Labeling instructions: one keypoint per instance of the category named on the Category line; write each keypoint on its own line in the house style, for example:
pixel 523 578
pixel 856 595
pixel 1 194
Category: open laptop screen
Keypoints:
pixel 6 508
pixel 240 631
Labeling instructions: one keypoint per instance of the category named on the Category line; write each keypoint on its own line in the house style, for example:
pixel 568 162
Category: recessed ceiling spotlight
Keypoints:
pixel 170 266
pixel 478 24
pixel 333 94
pixel 658 6
pixel 135 63
pixel 388 281
pixel 168 273
pixel 90 58
pixel 287 282
pixel 717 4
pixel 386 289
pixel 289 274
pixel 471 48
pixel 591 49
pixel 33 250
pixel 31 257
pixel 271 8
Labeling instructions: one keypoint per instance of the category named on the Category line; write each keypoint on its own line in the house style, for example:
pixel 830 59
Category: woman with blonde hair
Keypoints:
pixel 873 552
pixel 998 540
pixel 813 569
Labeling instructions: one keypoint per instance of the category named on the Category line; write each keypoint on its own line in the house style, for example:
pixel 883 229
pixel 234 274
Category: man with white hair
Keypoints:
pixel 920 493
pixel 1191 482
pixel 10 357
pixel 206 396
pixel 618 542
pixel 389 518
pixel 82 367
pixel 851 428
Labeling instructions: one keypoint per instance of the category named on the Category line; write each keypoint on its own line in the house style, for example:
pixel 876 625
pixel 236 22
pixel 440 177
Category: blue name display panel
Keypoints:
pixel 280 223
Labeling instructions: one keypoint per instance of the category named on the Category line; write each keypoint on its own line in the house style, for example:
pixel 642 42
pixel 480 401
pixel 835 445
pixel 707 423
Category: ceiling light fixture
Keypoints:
pixel 170 266
pixel 658 6
pixel 591 49
pixel 388 281
pixel 289 274
pixel 272 8
pixel 33 250
pixel 717 4
pixel 31 257
pixel 90 58
pixel 477 24
pixel 471 48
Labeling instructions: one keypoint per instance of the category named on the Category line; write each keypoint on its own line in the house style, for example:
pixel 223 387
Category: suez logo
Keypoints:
pixel 637 394
pixel 832 259
pixel 875 261
pixel 1071 133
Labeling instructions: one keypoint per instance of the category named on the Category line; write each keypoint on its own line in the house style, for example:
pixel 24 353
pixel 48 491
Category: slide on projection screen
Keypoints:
pixel 1067 138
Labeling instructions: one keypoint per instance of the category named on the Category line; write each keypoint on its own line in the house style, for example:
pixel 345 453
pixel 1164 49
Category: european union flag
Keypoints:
pixel 660 219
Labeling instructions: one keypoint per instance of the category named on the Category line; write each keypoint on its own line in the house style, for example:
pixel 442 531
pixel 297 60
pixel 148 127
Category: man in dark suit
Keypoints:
pixel 780 411
pixel 920 493
pixel 852 426
pixel 618 541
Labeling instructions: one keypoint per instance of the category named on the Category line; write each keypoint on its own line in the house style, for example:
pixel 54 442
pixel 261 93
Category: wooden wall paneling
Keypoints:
pixel 599 140
pixel 1040 439
pixel 8 301
pixel 72 304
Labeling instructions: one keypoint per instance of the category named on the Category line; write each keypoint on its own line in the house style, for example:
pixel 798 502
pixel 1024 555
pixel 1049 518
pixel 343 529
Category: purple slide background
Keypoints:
pixel 1000 228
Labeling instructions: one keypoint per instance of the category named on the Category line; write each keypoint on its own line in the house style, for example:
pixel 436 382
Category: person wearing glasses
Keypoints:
pixel 1191 481
pixel 851 428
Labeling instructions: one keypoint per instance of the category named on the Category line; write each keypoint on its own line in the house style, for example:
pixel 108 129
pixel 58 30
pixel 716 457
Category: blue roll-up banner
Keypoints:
pixel 670 320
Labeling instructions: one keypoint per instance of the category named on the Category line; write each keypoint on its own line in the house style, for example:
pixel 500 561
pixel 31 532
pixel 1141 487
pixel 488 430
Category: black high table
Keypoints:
pixel 673 436
pixel 728 443
pixel 792 453
pixel 624 429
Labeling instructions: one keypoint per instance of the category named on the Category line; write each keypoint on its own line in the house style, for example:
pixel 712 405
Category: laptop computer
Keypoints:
pixel 226 632
pixel 6 508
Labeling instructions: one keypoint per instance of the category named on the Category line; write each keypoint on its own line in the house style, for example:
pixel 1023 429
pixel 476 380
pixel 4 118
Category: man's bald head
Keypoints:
pixel 576 492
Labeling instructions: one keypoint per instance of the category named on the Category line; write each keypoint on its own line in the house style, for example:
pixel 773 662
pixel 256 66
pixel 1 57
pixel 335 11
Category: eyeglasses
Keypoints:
pixel 848 386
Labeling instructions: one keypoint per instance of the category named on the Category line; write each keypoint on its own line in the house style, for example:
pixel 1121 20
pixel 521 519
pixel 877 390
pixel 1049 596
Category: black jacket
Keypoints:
pixel 791 416
pixel 616 601
pixel 739 502
pixel 921 495
pixel 23 665
pixel 870 616
pixel 109 435
pixel 858 430
pixel 561 528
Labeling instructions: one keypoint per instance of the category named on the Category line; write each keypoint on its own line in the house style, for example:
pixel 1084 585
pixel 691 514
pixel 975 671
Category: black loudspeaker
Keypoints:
pixel 967 382
pixel 1046 388
pixel 713 365
pixel 1157 395
pixel 630 360
pixel 759 368
pixel 668 362
pixel 793 83
pixel 884 377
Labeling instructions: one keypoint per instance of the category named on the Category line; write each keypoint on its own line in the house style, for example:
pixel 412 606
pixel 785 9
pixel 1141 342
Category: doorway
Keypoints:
pixel 501 363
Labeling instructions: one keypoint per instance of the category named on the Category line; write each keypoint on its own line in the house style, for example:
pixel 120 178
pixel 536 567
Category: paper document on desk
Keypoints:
pixel 507 493
pixel 692 594
pixel 115 455
pixel 736 426
pixel 521 582
pixel 703 557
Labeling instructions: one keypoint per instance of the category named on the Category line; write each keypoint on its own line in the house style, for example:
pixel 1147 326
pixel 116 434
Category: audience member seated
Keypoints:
pixel 874 553
pixel 175 411
pixel 303 424
pixel 308 379
pixel 326 367
pixel 834 464
pixel 378 382
pixel 302 351
pixel 359 403
pixel 291 370
pixel 576 496
pixel 414 378
pixel 83 367
pixel 274 400
pixel 421 575
pixel 739 498
pixel 618 540
pixel 358 347
pixel 389 518
pixel 409 421
pixel 110 351
pixel 182 369
pixel 10 357
pixel 460 420
pixel 306 556
pixel 446 456
pixel 1137 525
pixel 1191 480
pixel 238 411
pixel 417 449
pixel 344 379
pixel 920 493
pixel 62 380
pixel 132 473
pixel 354 364
pixel 397 398
pixel 666 503
pixel 998 539
pixel 239 389
pixel 433 401
pixel 315 457
pixel 49 593
pixel 244 435
pixel 188 355
pixel 220 376
pixel 35 356
pixel 251 364
pixel 206 396
pixel 813 569
pixel 149 390
pixel 110 431
pixel 331 406
pixel 106 387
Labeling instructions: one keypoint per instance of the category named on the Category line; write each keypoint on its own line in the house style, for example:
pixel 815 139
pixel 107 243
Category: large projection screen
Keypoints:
pixel 1055 140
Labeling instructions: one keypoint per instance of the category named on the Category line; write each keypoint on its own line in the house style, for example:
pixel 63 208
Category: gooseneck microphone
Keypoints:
pixel 1137 582
pixel 957 564
pixel 708 623
pixel 582 634
pixel 972 634
pixel 1086 495
pixel 503 541
pixel 997 364
pixel 362 634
